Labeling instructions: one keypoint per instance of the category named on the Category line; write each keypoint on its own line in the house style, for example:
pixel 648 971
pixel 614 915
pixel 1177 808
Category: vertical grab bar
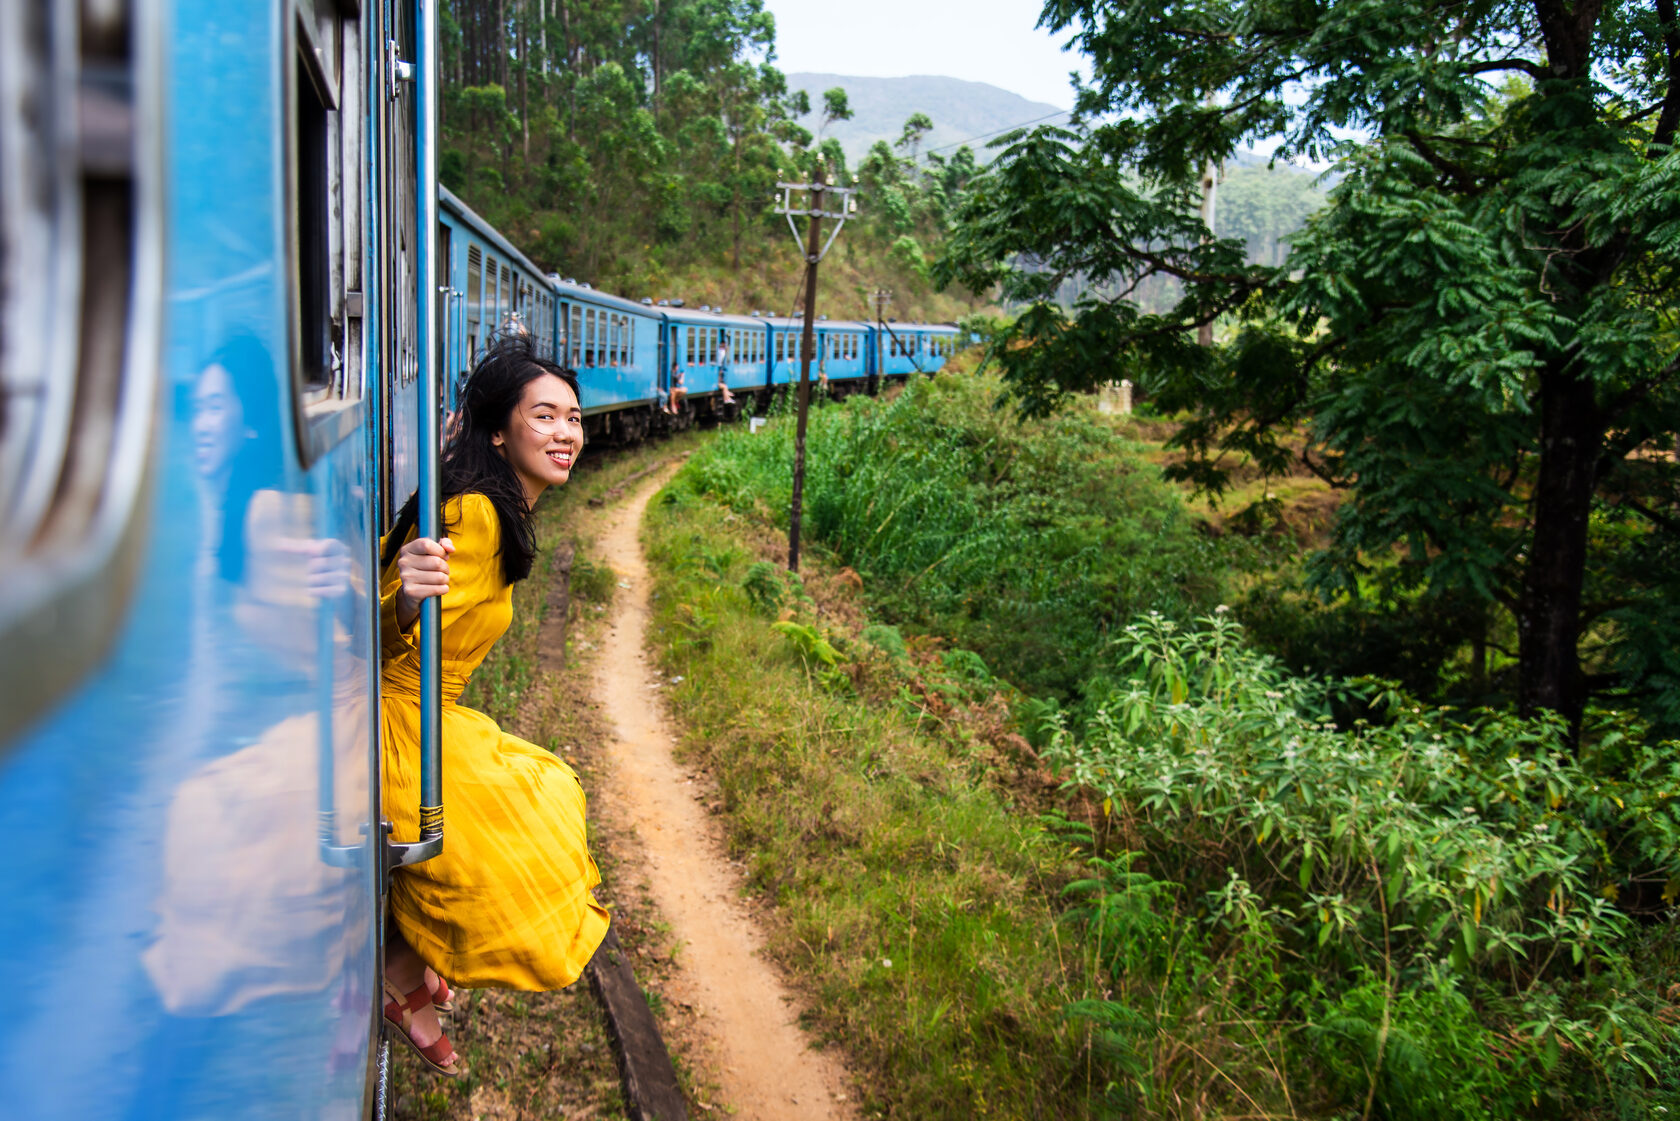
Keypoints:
pixel 429 512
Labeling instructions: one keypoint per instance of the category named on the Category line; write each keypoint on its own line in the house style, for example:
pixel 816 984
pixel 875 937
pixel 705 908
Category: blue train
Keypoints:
pixel 233 309
pixel 630 355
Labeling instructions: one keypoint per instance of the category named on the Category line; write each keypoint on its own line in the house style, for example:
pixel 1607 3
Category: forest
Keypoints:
pixel 1325 713
pixel 636 145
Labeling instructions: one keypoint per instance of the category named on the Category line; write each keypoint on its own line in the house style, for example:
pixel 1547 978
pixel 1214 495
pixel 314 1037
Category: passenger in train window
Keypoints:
pixel 723 372
pixel 508 903
pixel 678 390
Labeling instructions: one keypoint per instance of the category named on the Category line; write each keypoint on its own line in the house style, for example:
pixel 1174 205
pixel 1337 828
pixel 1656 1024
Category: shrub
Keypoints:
pixel 1441 851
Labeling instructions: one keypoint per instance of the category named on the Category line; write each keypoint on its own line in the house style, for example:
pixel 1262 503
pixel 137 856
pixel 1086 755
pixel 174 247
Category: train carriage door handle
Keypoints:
pixel 429 513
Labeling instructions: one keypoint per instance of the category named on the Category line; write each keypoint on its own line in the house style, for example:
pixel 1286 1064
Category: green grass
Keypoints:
pixel 913 901
pixel 1031 543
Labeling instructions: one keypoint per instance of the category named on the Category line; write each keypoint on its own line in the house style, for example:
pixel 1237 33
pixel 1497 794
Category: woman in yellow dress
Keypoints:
pixel 508 904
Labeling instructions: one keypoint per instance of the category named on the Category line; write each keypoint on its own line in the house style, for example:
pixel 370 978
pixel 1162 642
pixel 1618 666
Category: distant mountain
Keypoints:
pixel 960 111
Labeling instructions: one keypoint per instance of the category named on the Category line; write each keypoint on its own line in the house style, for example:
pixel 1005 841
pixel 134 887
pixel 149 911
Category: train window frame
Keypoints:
pixel 576 336
pixel 324 145
pixel 475 299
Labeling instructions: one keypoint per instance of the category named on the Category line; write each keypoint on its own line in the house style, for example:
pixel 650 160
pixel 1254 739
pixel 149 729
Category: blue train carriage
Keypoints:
pixel 215 359
pixel 841 359
pixel 713 349
pixel 913 348
pixel 486 287
pixel 614 345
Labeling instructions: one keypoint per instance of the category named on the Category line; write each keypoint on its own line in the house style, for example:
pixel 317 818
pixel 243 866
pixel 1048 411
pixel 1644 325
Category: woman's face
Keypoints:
pixel 544 435
pixel 218 420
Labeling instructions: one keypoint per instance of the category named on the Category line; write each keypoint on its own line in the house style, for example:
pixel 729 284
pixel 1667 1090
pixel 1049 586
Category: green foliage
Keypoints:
pixel 1479 331
pixel 592 580
pixel 887 639
pixel 763 585
pixel 1029 545
pixel 1461 868
pixel 1420 1054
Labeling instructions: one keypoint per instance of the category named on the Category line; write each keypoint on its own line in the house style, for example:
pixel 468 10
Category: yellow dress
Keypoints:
pixel 508 903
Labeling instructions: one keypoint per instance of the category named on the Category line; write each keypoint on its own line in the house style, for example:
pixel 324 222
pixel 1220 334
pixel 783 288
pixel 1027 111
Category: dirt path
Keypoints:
pixel 759 1057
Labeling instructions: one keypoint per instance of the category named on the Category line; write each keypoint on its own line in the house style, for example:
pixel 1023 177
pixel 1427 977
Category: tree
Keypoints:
pixel 916 126
pixel 1483 336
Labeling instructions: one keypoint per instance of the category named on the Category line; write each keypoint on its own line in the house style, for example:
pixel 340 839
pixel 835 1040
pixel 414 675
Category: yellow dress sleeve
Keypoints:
pixel 475 572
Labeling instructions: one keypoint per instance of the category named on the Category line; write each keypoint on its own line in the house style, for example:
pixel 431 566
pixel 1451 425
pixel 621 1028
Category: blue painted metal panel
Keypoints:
pixel 183 949
pixel 608 378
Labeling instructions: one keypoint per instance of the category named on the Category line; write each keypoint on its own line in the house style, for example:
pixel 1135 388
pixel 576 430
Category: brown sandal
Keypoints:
pixel 443 997
pixel 399 1011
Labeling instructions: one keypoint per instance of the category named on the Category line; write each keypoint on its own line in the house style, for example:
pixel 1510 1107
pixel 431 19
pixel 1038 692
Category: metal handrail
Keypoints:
pixel 429 512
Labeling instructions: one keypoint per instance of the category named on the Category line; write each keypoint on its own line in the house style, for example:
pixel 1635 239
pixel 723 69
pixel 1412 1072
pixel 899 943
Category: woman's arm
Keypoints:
pixel 463 569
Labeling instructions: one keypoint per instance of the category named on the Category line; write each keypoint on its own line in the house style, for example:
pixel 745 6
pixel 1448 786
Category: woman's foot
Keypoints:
pixel 443 998
pixel 417 1025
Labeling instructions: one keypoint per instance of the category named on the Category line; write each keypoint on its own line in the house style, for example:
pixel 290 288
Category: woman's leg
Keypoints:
pixel 406 972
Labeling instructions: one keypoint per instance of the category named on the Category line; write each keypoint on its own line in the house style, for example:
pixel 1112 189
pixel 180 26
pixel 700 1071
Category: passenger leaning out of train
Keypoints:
pixel 508 903
pixel 678 391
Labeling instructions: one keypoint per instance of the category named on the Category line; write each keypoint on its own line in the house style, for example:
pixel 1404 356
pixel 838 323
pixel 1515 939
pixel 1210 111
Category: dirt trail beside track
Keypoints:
pixel 757 1055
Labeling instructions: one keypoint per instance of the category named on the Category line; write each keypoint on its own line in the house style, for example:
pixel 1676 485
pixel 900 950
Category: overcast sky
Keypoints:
pixel 992 41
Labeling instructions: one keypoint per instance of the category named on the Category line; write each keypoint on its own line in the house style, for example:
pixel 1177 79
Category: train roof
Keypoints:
pixel 488 232
pixel 696 315
pixel 822 324
pixel 574 291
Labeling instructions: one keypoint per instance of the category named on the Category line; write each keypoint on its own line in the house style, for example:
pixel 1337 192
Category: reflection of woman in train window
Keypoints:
pixel 236 444
pixel 508 903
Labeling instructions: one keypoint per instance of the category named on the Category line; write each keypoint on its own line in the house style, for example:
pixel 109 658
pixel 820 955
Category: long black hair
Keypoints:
pixel 471 463
pixel 256 463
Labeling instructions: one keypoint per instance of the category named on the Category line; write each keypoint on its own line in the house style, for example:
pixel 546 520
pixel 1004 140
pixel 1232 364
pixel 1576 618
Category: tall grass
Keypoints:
pixel 1031 543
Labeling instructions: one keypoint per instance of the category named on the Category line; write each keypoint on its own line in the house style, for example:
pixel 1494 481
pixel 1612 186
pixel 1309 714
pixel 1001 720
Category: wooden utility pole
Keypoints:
pixel 807 343
pixel 817 192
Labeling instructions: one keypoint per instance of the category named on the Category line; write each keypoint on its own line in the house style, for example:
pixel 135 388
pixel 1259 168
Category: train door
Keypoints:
pixel 398 234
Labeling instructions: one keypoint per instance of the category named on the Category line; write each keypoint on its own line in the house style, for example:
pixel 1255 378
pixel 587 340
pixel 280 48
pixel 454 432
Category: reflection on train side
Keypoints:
pixel 262 859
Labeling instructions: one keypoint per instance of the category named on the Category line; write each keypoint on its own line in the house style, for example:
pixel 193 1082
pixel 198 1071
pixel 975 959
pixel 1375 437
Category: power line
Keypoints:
pixel 999 131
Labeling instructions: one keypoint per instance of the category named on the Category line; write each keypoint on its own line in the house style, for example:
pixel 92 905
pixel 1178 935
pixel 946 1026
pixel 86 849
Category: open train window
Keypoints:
pixel 81 293
pixel 323 190
pixel 577 336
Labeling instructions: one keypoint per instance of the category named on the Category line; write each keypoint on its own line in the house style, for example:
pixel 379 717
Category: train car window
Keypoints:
pixel 492 313
pixel 589 337
pixel 324 201
pixel 506 308
pixel 81 299
pixel 577 336
pixel 475 298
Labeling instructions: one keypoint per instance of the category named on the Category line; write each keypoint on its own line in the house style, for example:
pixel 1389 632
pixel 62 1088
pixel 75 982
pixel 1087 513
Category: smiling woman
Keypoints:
pixel 508 904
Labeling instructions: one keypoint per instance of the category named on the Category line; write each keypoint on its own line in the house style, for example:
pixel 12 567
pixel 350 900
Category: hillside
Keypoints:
pixel 960 111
